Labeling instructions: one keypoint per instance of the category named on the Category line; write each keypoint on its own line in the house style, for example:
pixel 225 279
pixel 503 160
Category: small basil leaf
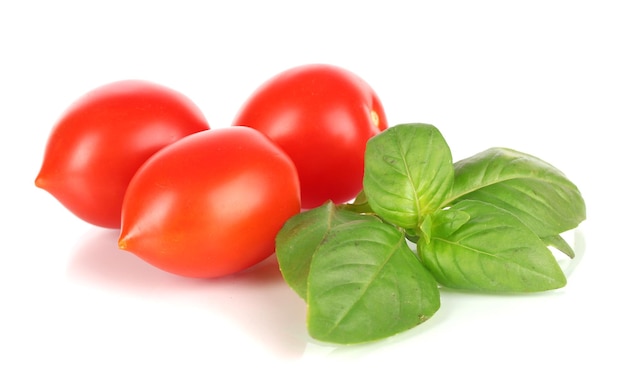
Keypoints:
pixel 408 173
pixel 535 191
pixel 493 251
pixel 299 238
pixel 426 227
pixel 448 221
pixel 359 205
pixel 365 284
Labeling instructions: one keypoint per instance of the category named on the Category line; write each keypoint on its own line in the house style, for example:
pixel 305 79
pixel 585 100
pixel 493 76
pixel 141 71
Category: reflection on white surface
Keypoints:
pixel 257 301
pixel 258 304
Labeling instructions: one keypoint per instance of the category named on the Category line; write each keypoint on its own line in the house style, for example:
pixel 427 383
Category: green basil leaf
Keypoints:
pixel 449 221
pixel 299 238
pixel 559 243
pixel 535 191
pixel 492 251
pixel 446 222
pixel 359 205
pixel 365 284
pixel 425 229
pixel 408 173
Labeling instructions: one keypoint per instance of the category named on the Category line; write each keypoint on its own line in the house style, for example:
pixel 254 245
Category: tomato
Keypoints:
pixel 322 116
pixel 103 138
pixel 210 204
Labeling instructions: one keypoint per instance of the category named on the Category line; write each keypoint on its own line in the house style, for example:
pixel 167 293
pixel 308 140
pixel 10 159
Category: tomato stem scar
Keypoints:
pixel 375 118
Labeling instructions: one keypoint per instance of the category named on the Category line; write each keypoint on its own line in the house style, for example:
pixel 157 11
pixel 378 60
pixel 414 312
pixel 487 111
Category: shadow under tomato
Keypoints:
pixel 258 299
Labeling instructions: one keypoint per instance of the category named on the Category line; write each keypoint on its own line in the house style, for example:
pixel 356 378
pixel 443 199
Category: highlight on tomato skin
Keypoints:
pixel 322 116
pixel 104 136
pixel 211 204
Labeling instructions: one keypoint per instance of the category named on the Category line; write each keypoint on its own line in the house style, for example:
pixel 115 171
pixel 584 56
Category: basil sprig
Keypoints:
pixel 482 224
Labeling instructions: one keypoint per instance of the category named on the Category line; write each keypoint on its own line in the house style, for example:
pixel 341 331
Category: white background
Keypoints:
pixel 543 77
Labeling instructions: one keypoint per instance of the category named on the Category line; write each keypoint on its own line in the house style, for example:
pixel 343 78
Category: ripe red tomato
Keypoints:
pixel 101 140
pixel 210 204
pixel 322 116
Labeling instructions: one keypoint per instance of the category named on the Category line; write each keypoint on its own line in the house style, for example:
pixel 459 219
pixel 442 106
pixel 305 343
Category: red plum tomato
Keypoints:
pixel 322 116
pixel 211 204
pixel 102 139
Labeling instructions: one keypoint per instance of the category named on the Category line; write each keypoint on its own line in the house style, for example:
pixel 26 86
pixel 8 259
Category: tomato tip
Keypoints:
pixel 121 243
pixel 39 182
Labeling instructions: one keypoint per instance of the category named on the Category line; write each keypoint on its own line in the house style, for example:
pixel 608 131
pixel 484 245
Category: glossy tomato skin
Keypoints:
pixel 211 204
pixel 102 139
pixel 322 116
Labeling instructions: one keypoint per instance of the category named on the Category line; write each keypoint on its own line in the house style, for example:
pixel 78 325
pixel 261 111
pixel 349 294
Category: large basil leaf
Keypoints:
pixel 535 191
pixel 408 173
pixel 365 283
pixel 491 251
pixel 299 238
